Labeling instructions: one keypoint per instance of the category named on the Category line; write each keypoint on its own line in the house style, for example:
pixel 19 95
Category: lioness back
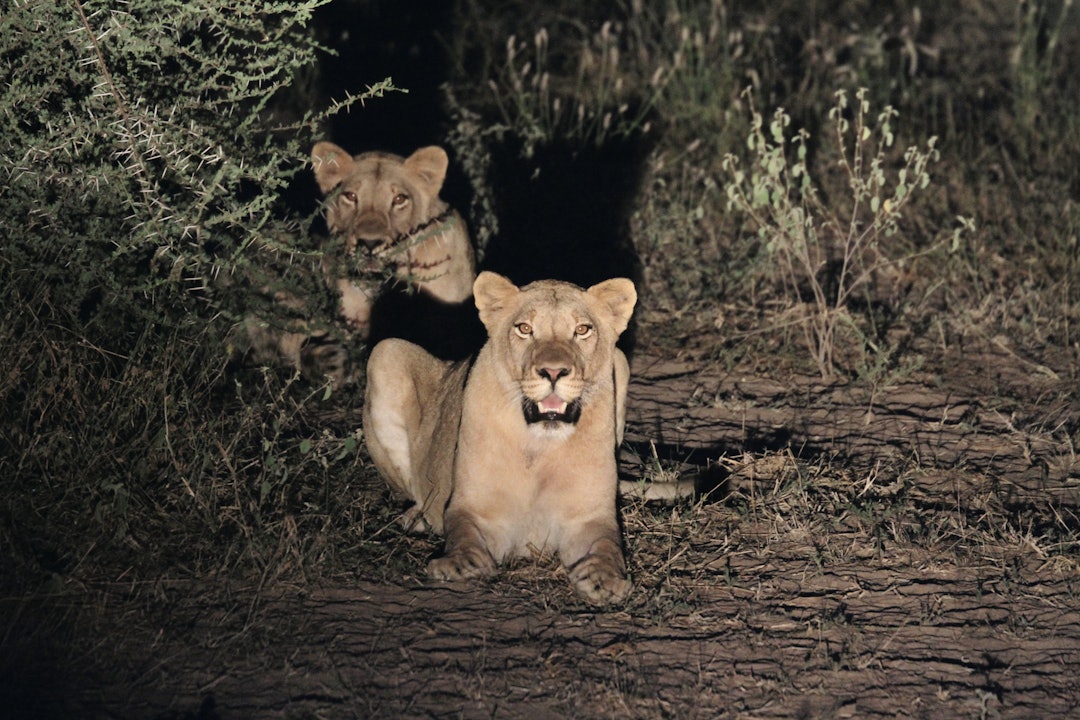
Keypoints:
pixel 514 452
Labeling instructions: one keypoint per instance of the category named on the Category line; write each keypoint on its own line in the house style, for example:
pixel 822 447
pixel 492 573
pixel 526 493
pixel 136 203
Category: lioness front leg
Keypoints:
pixel 594 562
pixel 466 554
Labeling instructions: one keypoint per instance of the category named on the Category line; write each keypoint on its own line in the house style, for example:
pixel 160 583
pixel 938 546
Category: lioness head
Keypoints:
pixel 554 341
pixel 377 199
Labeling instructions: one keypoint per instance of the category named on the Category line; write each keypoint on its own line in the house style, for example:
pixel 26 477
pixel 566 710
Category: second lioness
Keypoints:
pixel 514 452
pixel 386 212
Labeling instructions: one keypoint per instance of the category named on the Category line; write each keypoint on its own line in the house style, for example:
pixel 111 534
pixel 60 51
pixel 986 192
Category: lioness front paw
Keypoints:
pixel 323 357
pixel 599 580
pixel 462 564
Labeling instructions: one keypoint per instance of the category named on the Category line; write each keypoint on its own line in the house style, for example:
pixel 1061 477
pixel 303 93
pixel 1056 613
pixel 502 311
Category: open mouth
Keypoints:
pixel 552 409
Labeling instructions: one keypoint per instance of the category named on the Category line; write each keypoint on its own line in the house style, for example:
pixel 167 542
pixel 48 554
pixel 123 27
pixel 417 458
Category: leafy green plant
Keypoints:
pixel 148 146
pixel 826 252
pixel 146 150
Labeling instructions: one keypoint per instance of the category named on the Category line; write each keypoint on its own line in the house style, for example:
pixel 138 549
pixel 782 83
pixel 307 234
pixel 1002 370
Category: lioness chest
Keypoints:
pixel 525 486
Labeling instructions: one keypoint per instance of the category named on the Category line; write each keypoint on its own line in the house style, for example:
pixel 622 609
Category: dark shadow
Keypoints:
pixel 564 213
pixel 372 40
pixel 711 480
pixel 450 331
pixel 34 683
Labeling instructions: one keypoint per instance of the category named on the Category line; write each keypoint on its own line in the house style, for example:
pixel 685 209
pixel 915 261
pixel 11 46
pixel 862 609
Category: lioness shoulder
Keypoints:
pixel 514 451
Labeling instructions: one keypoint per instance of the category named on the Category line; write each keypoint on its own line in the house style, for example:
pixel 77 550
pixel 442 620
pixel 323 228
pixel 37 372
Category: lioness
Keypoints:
pixel 387 208
pixel 515 451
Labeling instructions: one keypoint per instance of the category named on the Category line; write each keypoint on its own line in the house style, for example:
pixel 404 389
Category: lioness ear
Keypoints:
pixel 619 296
pixel 492 292
pixel 430 164
pixel 331 165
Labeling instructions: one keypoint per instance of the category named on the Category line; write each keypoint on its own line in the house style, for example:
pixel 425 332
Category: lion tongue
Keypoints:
pixel 553 403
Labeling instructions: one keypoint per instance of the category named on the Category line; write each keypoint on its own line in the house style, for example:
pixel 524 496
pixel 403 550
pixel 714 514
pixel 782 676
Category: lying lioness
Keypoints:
pixel 515 452
pixel 386 212
pixel 386 218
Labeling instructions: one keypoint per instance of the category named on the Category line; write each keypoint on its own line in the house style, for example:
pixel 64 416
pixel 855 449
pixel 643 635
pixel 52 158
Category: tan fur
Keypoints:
pixel 278 339
pixel 454 438
pixel 376 201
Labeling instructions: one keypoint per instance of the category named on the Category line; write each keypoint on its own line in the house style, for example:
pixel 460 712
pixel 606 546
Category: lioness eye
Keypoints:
pixel 583 330
pixel 400 199
pixel 349 196
pixel 523 329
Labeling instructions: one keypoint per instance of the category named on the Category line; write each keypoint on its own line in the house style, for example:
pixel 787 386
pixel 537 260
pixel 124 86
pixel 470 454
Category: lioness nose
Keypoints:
pixel 371 243
pixel 552 374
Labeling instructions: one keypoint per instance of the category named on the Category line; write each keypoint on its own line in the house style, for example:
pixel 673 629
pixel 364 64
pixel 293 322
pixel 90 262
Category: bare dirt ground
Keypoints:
pixel 920 579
